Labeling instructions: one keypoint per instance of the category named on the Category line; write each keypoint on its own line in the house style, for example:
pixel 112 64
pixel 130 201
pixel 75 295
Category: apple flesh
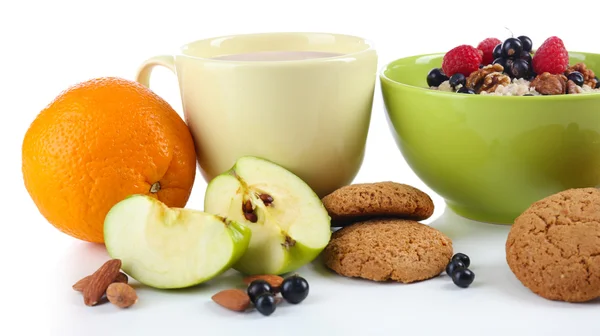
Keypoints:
pixel 290 226
pixel 166 247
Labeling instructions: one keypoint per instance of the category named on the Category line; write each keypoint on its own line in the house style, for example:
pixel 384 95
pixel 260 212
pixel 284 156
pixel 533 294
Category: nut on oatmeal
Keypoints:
pixel 549 84
pixel 493 80
pixel 573 88
pixel 589 77
pixel 477 78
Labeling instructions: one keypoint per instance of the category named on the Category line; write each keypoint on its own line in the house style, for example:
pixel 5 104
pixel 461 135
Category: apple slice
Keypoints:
pixel 166 247
pixel 290 226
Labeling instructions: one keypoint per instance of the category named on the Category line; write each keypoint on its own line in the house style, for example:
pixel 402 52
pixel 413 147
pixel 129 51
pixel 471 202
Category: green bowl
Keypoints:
pixel 491 157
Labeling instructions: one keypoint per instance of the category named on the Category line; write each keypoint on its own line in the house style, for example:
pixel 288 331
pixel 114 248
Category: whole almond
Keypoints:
pixel 81 284
pixel 100 280
pixel 121 294
pixel 274 280
pixel 232 299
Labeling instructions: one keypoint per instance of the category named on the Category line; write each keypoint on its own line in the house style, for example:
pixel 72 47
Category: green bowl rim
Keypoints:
pixel 412 88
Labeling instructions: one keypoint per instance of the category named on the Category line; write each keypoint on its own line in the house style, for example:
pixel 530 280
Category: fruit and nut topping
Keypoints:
pixel 511 68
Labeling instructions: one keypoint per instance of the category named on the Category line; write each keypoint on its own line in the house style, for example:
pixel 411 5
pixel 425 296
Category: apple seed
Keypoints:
pixel 251 217
pixel 266 198
pixel 247 207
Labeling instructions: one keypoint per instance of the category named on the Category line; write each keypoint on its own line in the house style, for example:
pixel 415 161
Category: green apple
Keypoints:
pixel 290 226
pixel 166 247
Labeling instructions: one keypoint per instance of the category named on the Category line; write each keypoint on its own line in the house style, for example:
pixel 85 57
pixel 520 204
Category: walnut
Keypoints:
pixel 573 88
pixel 589 77
pixel 493 80
pixel 476 78
pixel 549 84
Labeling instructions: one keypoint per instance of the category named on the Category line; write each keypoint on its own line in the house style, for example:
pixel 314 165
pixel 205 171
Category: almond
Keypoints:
pixel 232 299
pixel 121 294
pixel 274 280
pixel 81 284
pixel 100 280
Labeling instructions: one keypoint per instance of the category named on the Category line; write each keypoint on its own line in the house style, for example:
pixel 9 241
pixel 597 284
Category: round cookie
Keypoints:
pixel 553 248
pixel 385 249
pixel 359 202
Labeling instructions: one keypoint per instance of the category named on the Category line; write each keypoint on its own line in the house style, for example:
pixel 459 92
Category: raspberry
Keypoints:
pixel 551 56
pixel 487 47
pixel 463 59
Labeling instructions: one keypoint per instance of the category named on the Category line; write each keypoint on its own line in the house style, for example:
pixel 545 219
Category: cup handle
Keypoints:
pixel 143 73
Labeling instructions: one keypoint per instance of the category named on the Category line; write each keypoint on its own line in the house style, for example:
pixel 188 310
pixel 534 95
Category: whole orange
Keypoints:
pixel 97 143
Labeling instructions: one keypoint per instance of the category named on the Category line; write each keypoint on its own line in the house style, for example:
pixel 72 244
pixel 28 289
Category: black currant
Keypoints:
pixel 457 79
pixel 462 257
pixel 526 42
pixel 512 48
pixel 294 289
pixel 526 56
pixel 265 304
pixel 532 75
pixel 497 53
pixel 576 77
pixel 463 278
pixel 435 77
pixel 501 61
pixel 466 90
pixel 527 94
pixel 597 83
pixel 454 266
pixel 518 69
pixel 258 287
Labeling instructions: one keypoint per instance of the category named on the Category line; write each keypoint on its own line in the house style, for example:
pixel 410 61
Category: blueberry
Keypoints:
pixel 501 61
pixel 435 77
pixel 463 278
pixel 466 90
pixel 512 48
pixel 257 288
pixel 518 69
pixel 457 79
pixel 497 53
pixel 294 289
pixel 526 56
pixel 526 42
pixel 265 304
pixel 454 266
pixel 463 258
pixel 597 83
pixel 576 77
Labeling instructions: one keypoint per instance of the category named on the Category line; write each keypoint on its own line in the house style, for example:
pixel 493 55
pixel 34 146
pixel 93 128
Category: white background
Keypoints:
pixel 46 46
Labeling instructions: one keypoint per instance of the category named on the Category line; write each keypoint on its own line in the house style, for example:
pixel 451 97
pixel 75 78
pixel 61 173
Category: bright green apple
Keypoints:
pixel 166 247
pixel 290 226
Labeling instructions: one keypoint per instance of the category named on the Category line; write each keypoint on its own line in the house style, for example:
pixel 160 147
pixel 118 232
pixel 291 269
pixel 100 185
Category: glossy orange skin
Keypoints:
pixel 99 142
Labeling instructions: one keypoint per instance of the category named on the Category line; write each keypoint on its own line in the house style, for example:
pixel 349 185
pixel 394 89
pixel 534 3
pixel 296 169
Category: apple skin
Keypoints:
pixel 240 238
pixel 294 255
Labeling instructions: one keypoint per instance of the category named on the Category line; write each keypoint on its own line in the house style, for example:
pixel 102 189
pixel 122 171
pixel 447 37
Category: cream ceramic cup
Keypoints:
pixel 310 116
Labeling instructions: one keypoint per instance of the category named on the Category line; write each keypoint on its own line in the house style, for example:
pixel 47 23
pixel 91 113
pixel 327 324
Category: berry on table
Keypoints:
pixel 257 288
pixel 497 51
pixel 435 77
pixel 526 42
pixel 463 258
pixel 487 48
pixel 551 57
pixel 512 48
pixel 463 59
pixel 294 289
pixel 518 69
pixel 453 266
pixel 457 79
pixel 466 90
pixel 576 77
pixel 463 278
pixel 265 304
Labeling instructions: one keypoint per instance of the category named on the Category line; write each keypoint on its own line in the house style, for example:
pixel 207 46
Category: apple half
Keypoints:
pixel 166 247
pixel 290 226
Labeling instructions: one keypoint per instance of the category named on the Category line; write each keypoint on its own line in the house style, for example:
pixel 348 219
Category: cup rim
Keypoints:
pixel 367 42
pixel 439 93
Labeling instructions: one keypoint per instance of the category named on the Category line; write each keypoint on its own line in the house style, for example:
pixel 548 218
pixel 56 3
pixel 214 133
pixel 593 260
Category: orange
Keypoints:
pixel 99 142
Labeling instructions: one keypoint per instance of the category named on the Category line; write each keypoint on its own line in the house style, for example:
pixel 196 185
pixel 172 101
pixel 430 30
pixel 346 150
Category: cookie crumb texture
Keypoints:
pixel 367 200
pixel 388 249
pixel 553 248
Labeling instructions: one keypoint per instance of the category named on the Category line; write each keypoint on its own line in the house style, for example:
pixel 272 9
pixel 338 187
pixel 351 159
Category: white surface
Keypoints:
pixel 47 46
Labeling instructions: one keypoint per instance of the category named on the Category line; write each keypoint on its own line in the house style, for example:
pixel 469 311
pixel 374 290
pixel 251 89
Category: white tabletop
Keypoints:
pixel 54 44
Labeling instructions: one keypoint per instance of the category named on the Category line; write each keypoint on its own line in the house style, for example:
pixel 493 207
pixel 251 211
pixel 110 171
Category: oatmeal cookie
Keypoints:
pixel 553 248
pixel 367 200
pixel 388 249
